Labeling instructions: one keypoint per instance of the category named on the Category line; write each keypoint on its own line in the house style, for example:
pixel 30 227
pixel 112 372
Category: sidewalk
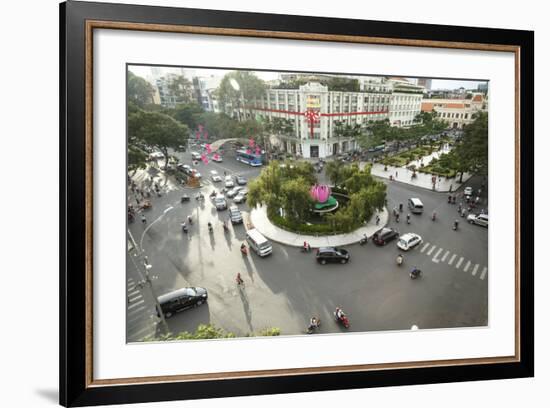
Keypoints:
pixel 258 217
pixel 422 180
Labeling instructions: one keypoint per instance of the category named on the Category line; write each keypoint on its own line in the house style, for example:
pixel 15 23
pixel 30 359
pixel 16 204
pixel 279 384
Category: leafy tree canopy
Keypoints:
pixel 139 91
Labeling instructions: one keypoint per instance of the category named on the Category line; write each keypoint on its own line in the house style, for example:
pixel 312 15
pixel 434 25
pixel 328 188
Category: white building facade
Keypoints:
pixel 457 113
pixel 406 102
pixel 318 116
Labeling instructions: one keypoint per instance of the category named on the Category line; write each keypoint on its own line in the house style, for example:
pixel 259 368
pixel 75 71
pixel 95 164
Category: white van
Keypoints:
pixel 415 205
pixel 258 243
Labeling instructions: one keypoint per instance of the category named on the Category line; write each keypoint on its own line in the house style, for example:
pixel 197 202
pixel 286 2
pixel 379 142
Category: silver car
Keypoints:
pixel 479 219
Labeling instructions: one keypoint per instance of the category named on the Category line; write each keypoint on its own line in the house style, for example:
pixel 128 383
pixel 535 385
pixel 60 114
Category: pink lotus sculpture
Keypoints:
pixel 320 192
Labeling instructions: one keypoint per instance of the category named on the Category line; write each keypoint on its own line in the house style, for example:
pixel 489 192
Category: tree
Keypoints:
pixel 471 153
pixel 137 158
pixel 181 88
pixel 335 171
pixel 296 200
pixel 157 130
pixel 250 88
pixel 209 331
pixel 188 114
pixel 139 91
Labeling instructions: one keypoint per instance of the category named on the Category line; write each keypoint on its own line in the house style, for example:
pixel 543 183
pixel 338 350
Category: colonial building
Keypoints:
pixel 457 113
pixel 322 122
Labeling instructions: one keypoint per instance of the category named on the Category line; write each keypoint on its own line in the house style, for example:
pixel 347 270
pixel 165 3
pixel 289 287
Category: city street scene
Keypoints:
pixel 264 203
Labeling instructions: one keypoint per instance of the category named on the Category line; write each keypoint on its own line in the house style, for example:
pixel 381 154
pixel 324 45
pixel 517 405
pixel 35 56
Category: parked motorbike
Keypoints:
pixel 399 260
pixel 364 240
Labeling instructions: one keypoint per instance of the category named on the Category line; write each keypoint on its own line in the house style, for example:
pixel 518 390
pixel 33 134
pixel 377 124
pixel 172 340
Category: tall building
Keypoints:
pixel 174 89
pixel 406 102
pixel 205 88
pixel 425 83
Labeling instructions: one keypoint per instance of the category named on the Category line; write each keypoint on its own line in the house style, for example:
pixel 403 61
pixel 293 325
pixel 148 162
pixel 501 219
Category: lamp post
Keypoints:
pixel 147 267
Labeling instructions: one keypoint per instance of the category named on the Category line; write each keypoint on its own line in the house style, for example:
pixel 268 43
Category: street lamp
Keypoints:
pixel 147 267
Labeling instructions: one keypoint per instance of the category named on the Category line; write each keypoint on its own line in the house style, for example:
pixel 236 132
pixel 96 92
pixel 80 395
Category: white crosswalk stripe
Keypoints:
pixel 467 266
pixel 452 259
pixel 425 246
pixel 459 262
pixel 431 250
pixel 474 271
pixel 483 273
pixel 133 305
pixel 435 259
pixel 445 256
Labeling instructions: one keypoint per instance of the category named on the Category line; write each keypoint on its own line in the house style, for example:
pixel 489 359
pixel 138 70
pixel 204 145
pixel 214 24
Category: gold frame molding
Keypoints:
pixel 91 25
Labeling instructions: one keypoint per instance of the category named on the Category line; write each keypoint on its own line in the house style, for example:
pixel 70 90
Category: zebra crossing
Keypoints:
pixel 466 265
pixel 139 318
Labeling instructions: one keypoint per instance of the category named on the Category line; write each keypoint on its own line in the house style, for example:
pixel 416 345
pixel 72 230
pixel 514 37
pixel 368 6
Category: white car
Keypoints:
pixel 468 191
pixel 241 197
pixel 408 241
pixel 195 156
pixel 215 176
pixel 229 182
pixel 479 219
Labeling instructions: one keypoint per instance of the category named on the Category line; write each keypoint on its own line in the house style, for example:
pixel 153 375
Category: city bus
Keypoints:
pixel 249 158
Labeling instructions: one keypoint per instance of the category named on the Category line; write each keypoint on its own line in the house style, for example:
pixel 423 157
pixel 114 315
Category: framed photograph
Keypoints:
pixel 257 204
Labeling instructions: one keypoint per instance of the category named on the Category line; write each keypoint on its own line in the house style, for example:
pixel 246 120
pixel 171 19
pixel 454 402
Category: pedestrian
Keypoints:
pixel 451 188
pixel 143 219
pixel 137 200
pixel 238 279
pixel 397 217
pixel 377 220
pixel 396 174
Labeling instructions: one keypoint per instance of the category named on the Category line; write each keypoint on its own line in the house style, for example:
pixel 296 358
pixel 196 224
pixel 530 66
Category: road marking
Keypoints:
pixel 131 300
pixel 135 304
pixel 141 333
pixel 474 271
pixel 467 266
pixel 435 259
pixel 135 312
pixel 425 246
pixel 452 259
pixel 483 273
pixel 459 262
pixel 135 318
pixel 133 293
pixel 431 250
pixel 445 256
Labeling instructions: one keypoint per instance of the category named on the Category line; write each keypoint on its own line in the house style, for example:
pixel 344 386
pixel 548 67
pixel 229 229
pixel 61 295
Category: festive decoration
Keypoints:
pixel 216 156
pixel 248 151
pixel 201 127
pixel 204 158
pixel 320 193
pixel 208 148
pixel 198 135
pixel 258 150
pixel 312 116
pixel 251 142
pixel 205 134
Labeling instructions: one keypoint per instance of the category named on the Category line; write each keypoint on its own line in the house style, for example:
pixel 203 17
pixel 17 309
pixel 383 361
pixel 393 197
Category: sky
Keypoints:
pixel 145 71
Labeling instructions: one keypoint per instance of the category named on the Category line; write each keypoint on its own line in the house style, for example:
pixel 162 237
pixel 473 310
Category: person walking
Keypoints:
pixel 143 219
pixel 239 280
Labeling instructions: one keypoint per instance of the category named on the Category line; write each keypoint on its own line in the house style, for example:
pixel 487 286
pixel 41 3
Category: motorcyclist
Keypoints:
pixel 408 218
pixel 209 226
pixel 399 259
pixel 400 207
pixel 455 225
pixel 340 313
pixel 189 220
pixel 433 216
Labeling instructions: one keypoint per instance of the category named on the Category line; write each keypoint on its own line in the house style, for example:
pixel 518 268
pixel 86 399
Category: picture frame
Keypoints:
pixel 79 20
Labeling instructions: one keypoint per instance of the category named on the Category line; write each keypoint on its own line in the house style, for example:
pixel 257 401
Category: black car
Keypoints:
pixel 385 235
pixel 181 299
pixel 332 255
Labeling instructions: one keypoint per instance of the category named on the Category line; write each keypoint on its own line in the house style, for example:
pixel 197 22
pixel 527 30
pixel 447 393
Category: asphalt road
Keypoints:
pixel 285 289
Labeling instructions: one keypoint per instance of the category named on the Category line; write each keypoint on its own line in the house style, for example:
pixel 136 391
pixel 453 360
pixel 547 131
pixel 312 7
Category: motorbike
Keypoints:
pixel 433 216
pixel 455 226
pixel 340 317
pixel 408 219
pixel 399 260
pixel 184 198
pixel 210 228
pixel 244 250
pixel 313 326
pixel 184 227
pixel 363 240
pixel 415 273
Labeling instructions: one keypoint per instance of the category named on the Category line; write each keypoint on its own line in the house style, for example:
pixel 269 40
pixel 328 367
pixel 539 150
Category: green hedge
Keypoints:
pixel 308 229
